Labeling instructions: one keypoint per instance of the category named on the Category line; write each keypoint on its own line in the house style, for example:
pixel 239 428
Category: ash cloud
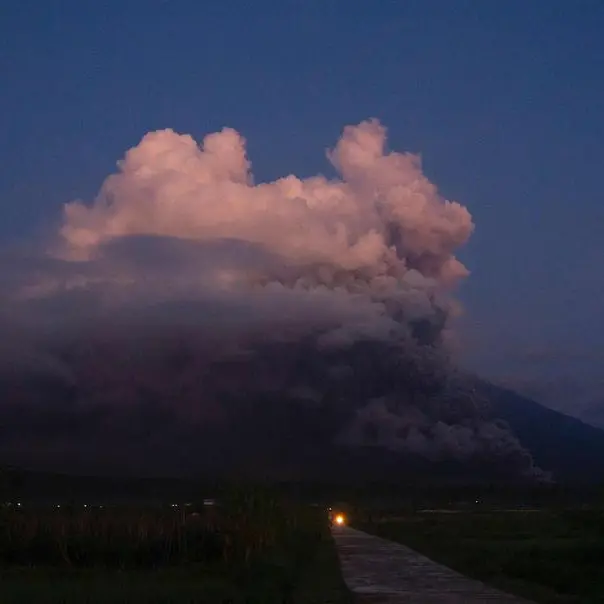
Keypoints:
pixel 185 286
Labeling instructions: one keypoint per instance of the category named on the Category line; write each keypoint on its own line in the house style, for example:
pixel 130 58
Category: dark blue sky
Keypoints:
pixel 503 99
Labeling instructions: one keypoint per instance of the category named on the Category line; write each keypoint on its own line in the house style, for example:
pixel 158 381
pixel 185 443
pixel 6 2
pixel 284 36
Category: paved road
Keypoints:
pixel 384 572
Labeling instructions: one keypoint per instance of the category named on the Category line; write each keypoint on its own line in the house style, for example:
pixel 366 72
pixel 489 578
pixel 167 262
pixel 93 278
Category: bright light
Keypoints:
pixel 339 519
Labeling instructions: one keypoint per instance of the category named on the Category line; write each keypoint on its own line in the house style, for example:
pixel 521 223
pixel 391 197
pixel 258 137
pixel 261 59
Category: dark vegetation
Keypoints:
pixel 255 546
pixel 271 543
pixel 551 554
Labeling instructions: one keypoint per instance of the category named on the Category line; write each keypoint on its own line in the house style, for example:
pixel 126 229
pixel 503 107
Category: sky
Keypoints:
pixel 502 100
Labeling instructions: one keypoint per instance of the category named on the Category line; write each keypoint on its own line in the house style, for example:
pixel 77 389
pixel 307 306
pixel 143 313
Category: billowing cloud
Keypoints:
pixel 384 218
pixel 183 263
pixel 365 254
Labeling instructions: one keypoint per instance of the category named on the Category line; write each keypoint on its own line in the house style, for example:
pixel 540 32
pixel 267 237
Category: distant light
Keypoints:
pixel 58 505
pixel 339 519
pixel 85 505
pixel 19 504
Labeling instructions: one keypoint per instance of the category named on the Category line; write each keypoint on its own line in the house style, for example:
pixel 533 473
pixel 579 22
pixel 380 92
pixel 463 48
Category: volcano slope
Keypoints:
pixel 188 320
pixel 285 411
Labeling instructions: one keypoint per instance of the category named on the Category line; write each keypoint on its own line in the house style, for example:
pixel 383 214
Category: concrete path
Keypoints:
pixel 384 572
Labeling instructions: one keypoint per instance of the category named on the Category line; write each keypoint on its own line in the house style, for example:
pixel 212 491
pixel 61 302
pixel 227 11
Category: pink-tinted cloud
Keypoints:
pixel 384 216
pixel 184 285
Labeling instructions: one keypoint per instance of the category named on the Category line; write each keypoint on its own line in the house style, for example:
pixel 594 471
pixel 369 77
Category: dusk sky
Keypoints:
pixel 503 100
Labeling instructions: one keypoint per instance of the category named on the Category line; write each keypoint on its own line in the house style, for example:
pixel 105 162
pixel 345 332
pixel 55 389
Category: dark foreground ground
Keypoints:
pixel 250 549
pixel 548 555
pixel 272 544
pixel 317 583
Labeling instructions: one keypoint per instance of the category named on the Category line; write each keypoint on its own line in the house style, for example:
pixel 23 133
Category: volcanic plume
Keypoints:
pixel 187 299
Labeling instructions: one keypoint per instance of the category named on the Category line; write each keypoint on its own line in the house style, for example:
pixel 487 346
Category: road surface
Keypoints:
pixel 384 572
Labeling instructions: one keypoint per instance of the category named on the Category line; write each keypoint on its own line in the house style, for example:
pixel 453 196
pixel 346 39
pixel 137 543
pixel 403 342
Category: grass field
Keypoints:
pixel 318 582
pixel 251 549
pixel 549 555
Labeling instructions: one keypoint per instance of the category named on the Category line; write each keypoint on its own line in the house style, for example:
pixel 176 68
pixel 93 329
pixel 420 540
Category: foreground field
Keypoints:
pixel 550 556
pixel 250 549
pixel 318 582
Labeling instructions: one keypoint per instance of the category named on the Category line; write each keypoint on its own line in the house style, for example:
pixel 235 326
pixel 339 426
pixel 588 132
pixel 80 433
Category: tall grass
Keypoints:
pixel 247 528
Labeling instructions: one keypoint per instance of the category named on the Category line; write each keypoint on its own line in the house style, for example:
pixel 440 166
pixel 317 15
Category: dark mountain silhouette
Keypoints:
pixel 286 412
pixel 593 412
pixel 570 448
